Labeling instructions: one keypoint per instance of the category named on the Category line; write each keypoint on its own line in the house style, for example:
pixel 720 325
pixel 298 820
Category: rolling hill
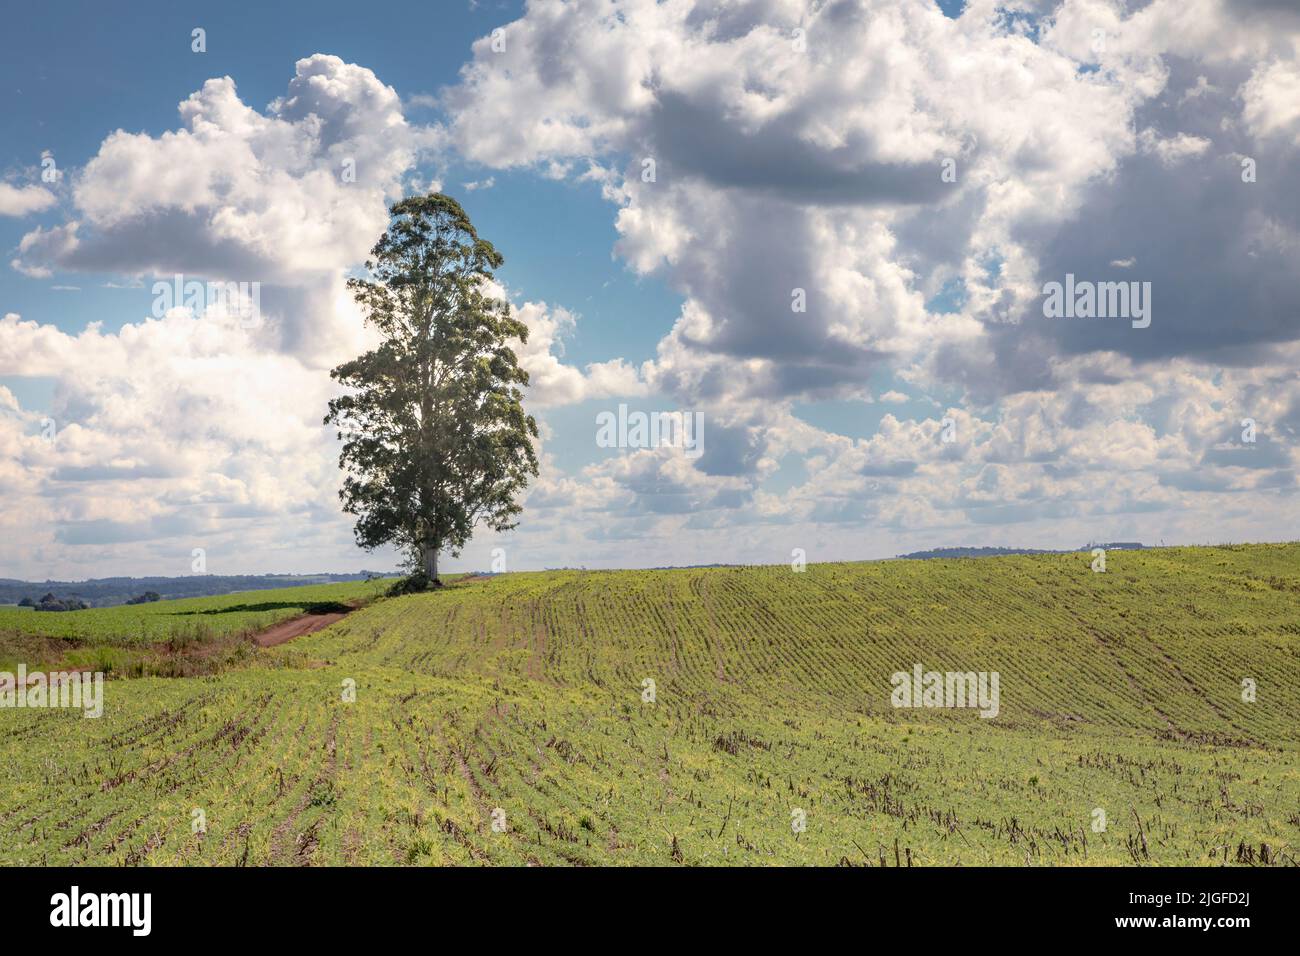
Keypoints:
pixel 712 716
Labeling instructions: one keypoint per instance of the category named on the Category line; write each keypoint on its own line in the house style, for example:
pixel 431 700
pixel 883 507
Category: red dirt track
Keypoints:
pixel 288 630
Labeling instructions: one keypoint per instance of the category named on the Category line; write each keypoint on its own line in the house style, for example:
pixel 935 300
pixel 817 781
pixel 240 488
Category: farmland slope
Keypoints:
pixel 509 720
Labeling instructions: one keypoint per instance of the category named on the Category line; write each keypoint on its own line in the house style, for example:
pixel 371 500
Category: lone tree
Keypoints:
pixel 435 438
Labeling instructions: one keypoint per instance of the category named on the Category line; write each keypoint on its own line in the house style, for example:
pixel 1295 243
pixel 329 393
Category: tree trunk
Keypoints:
pixel 431 563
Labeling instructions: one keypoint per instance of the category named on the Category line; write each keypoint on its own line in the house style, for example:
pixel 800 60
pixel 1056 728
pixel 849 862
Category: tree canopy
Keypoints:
pixel 435 437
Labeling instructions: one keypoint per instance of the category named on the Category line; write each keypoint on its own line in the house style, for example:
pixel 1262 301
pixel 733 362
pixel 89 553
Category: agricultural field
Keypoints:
pixel 120 638
pixel 221 614
pixel 737 716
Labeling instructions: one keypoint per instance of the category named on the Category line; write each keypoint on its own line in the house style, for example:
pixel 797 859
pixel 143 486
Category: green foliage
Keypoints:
pixel 523 692
pixel 435 438
pixel 411 584
pixel 51 603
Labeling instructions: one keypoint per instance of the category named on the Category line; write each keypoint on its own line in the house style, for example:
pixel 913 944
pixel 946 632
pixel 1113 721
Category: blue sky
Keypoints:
pixel 85 70
pixel 77 73
pixel 922 397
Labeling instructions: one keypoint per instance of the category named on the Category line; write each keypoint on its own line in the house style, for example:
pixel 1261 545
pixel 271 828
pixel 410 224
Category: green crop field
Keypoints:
pixel 710 716
pixel 159 620
pixel 167 637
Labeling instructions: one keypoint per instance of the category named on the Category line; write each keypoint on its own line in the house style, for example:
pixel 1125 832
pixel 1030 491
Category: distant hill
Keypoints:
pixel 106 592
pixel 998 552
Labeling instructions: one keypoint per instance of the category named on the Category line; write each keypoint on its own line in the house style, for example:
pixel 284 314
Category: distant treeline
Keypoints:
pixel 105 592
pixel 996 552
pixel 50 603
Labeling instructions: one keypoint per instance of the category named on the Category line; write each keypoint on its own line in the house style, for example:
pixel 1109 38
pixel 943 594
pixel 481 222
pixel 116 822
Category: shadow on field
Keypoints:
pixel 318 607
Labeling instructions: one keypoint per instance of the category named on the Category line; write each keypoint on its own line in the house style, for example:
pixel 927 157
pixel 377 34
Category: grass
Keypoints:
pixel 182 638
pixel 502 721
pixel 189 620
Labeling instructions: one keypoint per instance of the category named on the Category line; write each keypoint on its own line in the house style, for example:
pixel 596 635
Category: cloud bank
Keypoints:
pixel 859 202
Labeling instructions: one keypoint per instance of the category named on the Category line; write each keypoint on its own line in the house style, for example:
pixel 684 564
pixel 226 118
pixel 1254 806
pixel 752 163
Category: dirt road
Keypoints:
pixel 288 630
